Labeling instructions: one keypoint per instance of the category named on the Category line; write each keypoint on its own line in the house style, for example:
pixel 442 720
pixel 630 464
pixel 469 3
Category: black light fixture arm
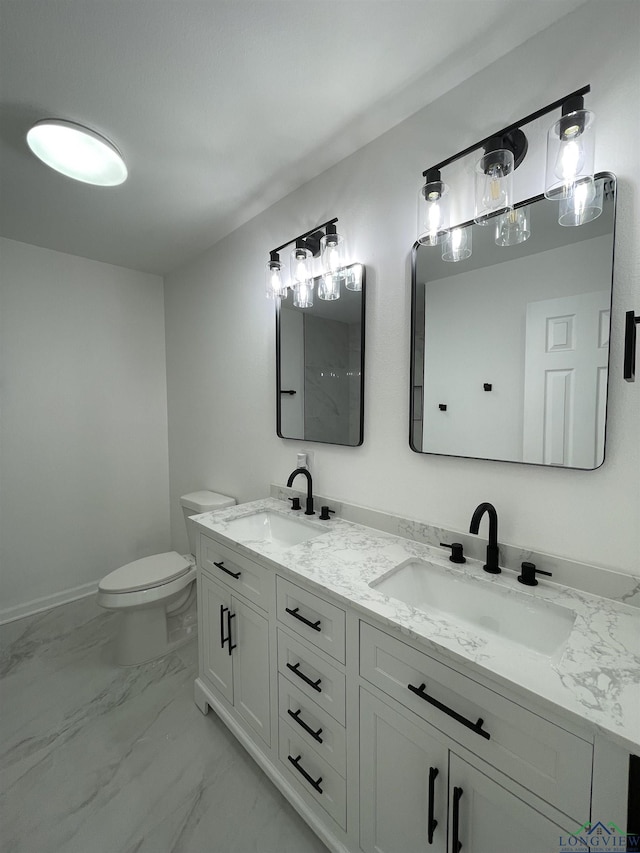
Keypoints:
pixel 509 129
pixel 309 233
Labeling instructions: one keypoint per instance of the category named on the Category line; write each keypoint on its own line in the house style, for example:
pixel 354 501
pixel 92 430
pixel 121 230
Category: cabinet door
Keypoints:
pixel 490 819
pixel 250 634
pixel 216 661
pixel 403 783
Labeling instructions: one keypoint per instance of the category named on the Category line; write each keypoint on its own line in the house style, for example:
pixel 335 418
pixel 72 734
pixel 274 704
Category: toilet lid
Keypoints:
pixel 145 573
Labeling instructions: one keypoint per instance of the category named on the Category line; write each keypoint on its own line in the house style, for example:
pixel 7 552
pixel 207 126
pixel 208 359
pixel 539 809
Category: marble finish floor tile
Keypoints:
pixel 101 759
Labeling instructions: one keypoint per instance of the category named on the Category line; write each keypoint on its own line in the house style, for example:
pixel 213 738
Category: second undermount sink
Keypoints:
pixel 488 608
pixel 273 527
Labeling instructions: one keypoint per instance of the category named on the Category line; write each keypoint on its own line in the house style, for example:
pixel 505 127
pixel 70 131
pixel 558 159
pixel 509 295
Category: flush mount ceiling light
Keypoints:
pixel 77 152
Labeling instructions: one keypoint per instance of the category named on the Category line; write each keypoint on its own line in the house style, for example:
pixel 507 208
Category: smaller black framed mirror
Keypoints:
pixel 320 364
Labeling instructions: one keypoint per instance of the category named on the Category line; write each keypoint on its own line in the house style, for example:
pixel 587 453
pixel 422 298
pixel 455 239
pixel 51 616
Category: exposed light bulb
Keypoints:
pixel 457 246
pixel 570 150
pixel 433 210
pixel 494 183
pixel 275 287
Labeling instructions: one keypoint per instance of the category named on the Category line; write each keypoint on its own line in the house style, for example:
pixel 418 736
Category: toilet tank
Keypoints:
pixel 197 502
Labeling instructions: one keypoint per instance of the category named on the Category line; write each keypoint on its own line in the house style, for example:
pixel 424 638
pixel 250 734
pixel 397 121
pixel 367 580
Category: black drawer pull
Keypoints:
pixel 305 678
pixel 223 639
pixel 456 844
pixel 431 822
pixel 222 566
pixel 230 616
pixel 313 782
pixel 296 615
pixel 300 722
pixel 475 727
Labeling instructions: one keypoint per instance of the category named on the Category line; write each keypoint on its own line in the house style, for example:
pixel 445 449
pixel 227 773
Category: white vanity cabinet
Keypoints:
pixel 416 794
pixel 382 743
pixel 234 652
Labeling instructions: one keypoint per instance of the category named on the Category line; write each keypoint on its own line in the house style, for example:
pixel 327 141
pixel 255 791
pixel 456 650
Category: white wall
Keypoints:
pixel 83 451
pixel 220 328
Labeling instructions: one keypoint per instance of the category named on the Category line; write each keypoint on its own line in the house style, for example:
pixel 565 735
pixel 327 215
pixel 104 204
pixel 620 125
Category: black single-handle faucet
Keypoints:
pixel 292 476
pixel 491 565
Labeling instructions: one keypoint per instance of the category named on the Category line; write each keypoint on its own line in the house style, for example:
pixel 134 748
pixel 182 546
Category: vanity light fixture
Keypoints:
pixel 433 209
pixel 77 152
pixel 569 178
pixel 322 240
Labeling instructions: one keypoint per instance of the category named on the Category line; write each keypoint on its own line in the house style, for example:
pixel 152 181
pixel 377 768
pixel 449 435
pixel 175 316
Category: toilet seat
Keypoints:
pixel 146 573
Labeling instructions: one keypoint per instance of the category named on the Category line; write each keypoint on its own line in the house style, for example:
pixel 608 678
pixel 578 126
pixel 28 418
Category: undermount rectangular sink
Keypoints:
pixel 273 527
pixel 486 607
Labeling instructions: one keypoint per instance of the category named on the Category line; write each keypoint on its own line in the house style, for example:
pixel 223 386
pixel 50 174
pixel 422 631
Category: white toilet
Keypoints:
pixel 156 595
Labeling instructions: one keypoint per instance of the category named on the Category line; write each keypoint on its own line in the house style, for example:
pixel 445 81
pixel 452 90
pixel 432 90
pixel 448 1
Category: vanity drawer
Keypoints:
pixel 311 617
pixel 312 775
pixel 551 762
pixel 318 680
pixel 241 574
pixel 326 735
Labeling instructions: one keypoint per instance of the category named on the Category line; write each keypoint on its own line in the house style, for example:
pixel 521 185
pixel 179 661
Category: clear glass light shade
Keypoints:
pixel 329 286
pixel 353 280
pixel 584 205
pixel 570 153
pixel 457 245
pixel 332 252
pixel 77 152
pixel 303 294
pixel 513 227
pixel 494 185
pixel 433 213
pixel 301 266
pixel 275 288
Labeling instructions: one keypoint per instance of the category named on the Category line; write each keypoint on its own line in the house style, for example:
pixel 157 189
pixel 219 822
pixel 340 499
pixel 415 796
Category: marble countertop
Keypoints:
pixel 594 678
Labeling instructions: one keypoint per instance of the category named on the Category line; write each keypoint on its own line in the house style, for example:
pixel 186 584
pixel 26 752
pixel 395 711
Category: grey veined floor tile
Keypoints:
pixel 102 759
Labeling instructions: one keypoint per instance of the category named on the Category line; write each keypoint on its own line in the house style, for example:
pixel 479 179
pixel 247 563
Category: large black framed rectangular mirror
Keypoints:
pixel 510 347
pixel 320 365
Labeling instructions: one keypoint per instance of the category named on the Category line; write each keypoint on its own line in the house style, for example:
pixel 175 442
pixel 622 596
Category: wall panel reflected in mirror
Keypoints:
pixel 320 366
pixel 510 347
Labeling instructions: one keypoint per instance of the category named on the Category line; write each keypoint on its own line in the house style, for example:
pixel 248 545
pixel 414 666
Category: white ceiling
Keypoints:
pixel 220 108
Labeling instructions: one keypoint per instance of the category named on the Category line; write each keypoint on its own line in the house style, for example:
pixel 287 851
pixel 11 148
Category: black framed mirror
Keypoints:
pixel 320 364
pixel 510 346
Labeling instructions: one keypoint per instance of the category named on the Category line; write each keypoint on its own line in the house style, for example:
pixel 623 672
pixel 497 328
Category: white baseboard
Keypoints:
pixel 47 602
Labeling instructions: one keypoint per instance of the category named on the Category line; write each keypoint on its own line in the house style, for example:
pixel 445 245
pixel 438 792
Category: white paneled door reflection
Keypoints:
pixel 565 387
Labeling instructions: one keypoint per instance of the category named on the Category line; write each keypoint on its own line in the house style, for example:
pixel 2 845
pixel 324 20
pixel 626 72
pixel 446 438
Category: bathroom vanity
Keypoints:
pixel 392 725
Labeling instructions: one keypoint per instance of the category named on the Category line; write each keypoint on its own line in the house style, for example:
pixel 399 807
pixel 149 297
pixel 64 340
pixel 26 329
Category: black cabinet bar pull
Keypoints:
pixel 313 782
pixel 315 625
pixel 288 392
pixel 456 844
pixel 301 722
pixel 223 639
pixel 305 678
pixel 433 772
pixel 222 566
pixel 475 727
pixel 230 616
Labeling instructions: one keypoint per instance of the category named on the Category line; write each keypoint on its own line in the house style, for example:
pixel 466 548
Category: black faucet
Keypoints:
pixel 491 565
pixel 292 476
